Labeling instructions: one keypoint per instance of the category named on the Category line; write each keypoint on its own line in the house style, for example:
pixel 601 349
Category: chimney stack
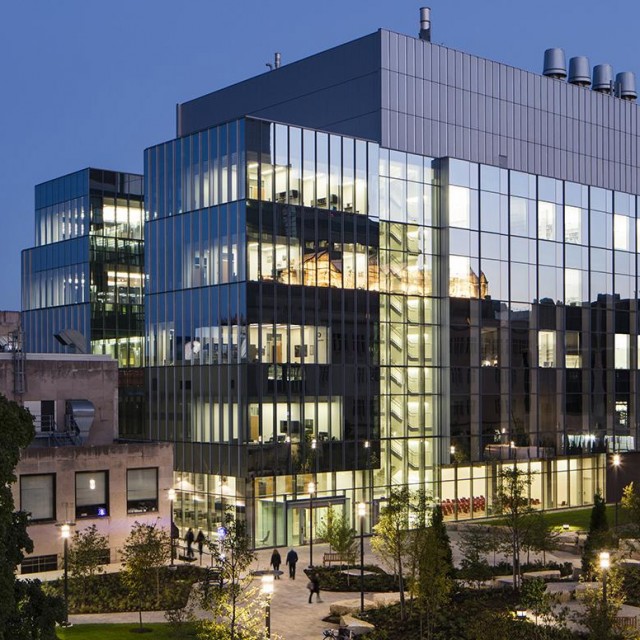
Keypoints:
pixel 425 24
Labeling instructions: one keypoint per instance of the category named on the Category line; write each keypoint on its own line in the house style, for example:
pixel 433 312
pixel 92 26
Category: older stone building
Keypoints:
pixel 75 471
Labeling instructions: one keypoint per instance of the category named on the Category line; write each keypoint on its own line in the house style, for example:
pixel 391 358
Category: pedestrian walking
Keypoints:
pixel 175 537
pixel 200 539
pixel 292 559
pixel 276 561
pixel 314 587
pixel 189 538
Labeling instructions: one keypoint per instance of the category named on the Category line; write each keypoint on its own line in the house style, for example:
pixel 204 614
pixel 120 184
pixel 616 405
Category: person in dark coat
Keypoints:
pixel 189 538
pixel 276 561
pixel 292 559
pixel 314 587
pixel 200 542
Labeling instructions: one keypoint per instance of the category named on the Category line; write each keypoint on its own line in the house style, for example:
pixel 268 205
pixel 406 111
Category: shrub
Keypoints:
pixel 109 595
pixel 335 579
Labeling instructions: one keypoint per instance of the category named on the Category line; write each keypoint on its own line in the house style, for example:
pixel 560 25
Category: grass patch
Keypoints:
pixel 157 631
pixel 577 519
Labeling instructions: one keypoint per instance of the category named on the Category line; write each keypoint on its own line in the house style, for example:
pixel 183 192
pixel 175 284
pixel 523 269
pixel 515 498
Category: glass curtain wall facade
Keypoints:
pixel 263 339
pixel 86 273
pixel 321 310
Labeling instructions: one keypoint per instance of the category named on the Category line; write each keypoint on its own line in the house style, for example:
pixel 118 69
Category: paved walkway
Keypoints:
pixel 292 617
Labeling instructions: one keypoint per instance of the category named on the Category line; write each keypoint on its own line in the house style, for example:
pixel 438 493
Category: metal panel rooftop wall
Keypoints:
pixel 425 98
pixel 336 90
pixel 441 102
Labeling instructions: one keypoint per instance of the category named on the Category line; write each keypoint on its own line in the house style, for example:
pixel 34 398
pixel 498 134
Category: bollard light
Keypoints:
pixel 362 512
pixel 312 489
pixel 267 592
pixel 605 563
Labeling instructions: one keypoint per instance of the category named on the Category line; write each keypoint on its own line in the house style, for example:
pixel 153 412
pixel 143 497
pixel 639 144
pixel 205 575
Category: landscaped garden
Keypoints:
pixel 108 592
pixel 153 631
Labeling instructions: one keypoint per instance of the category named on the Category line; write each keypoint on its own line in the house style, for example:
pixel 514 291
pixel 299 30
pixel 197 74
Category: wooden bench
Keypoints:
pixel 328 558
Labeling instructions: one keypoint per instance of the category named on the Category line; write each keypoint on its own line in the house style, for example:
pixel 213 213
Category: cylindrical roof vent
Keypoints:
pixel 579 71
pixel 554 64
pixel 603 78
pixel 425 24
pixel 626 85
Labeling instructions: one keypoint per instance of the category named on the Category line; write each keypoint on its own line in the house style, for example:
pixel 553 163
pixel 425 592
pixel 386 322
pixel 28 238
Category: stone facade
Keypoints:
pixel 115 459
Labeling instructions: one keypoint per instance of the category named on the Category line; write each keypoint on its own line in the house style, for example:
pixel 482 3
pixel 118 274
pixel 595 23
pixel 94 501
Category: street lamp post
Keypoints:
pixel 605 563
pixel 65 532
pixel 312 490
pixel 452 458
pixel 171 493
pixel 616 466
pixel 267 591
pixel 362 510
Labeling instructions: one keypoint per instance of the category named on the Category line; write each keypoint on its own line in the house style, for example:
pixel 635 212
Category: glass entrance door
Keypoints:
pixel 299 521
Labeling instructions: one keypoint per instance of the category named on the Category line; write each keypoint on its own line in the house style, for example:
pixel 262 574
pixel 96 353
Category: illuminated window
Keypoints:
pixel 547 348
pixel 573 357
pixel 92 490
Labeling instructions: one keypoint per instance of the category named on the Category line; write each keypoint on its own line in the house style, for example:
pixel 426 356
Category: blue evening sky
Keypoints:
pixel 88 83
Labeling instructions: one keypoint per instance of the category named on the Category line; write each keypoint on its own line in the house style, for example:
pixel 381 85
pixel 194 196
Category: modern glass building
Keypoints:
pixel 391 264
pixel 85 274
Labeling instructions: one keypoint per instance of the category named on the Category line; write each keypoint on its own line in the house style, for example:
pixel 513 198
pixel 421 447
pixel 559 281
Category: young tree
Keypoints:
pixel 598 538
pixel 231 597
pixel 16 432
pixel 440 530
pixel 86 553
pixel 631 506
pixel 600 615
pixel 550 620
pixel 512 501
pixel 476 542
pixel 392 539
pixel 337 531
pixel 146 550
pixel 539 536
pixel 432 567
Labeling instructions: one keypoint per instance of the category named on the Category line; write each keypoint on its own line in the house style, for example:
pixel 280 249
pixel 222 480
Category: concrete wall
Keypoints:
pixel 69 377
pixel 9 322
pixel 65 462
